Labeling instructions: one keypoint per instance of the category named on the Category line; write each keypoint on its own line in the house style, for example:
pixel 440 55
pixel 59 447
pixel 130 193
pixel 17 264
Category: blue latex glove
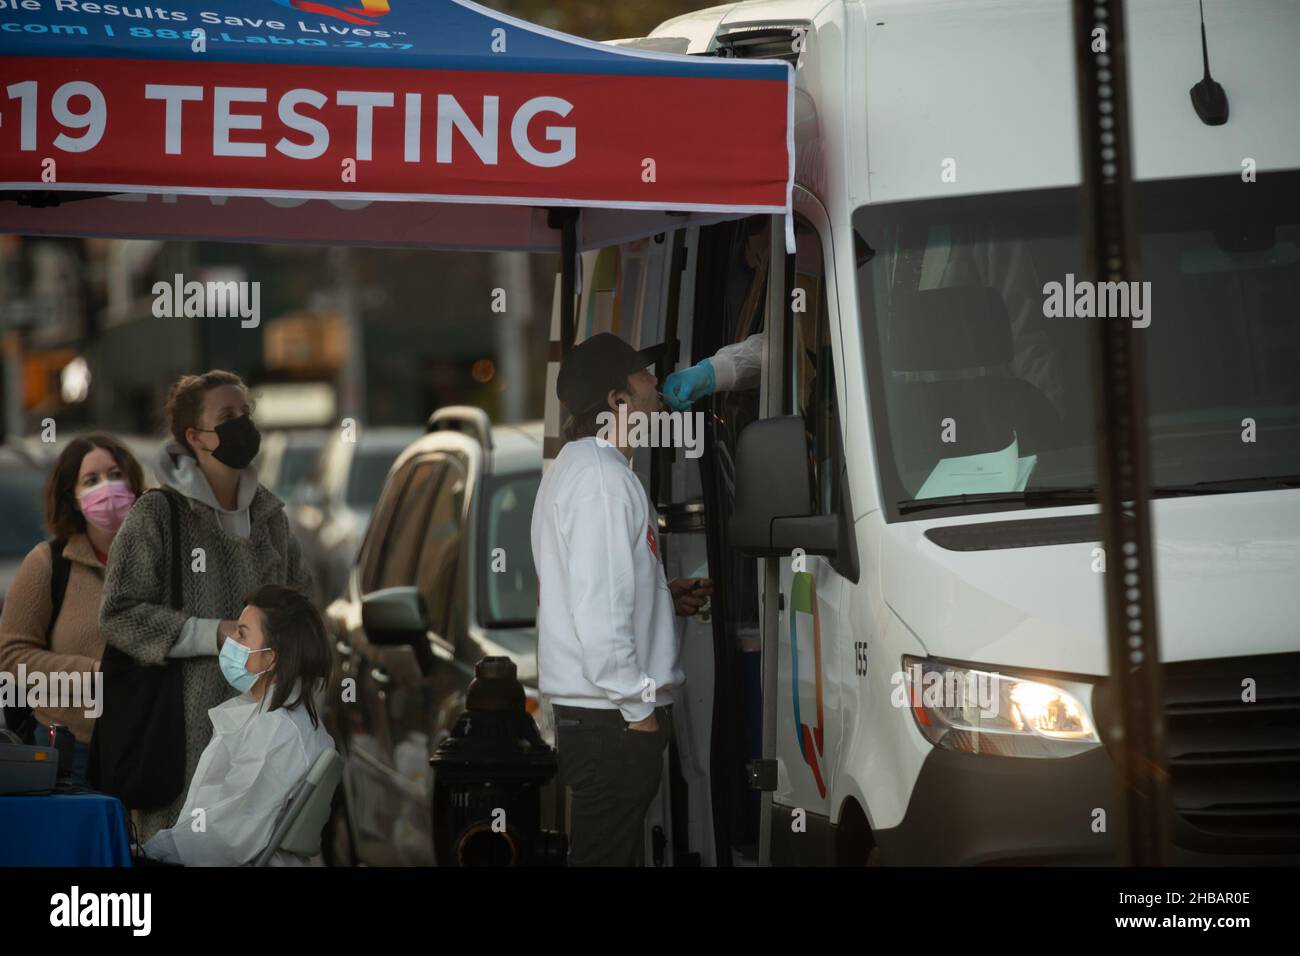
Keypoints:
pixel 683 388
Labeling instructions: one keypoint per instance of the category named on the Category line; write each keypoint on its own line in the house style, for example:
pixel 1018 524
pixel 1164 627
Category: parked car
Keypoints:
pixel 330 510
pixel 286 458
pixel 449 540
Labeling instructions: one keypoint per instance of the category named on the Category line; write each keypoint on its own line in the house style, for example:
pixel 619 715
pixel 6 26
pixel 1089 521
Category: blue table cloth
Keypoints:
pixel 63 829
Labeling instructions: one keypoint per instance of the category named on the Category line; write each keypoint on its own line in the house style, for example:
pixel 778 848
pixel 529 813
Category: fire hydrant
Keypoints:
pixel 488 776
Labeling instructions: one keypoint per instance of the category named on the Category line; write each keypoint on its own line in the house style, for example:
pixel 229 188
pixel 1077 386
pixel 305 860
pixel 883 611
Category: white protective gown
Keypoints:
pixel 739 366
pixel 241 783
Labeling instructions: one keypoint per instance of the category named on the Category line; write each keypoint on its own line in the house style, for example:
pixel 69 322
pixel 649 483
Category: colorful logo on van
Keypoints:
pixel 369 8
pixel 803 617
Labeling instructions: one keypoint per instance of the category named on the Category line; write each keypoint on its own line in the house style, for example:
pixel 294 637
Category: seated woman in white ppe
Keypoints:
pixel 263 741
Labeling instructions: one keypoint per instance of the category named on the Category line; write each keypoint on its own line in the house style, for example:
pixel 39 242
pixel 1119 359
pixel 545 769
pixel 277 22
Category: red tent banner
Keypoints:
pixel 367 109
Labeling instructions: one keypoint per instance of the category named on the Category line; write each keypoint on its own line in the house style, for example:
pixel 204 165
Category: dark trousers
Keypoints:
pixel 613 775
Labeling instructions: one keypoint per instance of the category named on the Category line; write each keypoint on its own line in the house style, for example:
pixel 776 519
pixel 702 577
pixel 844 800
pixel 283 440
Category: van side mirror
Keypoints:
pixel 774 493
pixel 392 617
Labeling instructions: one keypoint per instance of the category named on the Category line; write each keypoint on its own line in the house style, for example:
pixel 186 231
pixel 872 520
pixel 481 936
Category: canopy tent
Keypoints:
pixel 435 123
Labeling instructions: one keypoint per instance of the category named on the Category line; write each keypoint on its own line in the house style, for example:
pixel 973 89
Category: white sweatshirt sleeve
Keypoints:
pixel 602 531
pixel 198 638
pixel 739 366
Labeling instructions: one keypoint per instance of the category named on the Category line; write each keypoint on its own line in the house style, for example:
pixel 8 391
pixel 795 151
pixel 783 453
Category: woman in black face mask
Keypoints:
pixel 215 535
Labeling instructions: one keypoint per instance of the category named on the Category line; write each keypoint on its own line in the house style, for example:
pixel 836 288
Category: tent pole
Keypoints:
pixel 780 270
pixel 566 220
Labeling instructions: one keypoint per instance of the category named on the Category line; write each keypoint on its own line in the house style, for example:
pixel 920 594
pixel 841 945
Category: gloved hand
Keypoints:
pixel 687 386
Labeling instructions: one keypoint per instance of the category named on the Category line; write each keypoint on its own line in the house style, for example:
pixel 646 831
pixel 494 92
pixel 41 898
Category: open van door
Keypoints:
pixel 813 640
pixel 789 507
pixel 731 272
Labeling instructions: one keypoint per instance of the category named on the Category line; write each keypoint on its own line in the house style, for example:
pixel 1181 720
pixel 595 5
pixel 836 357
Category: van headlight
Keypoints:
pixel 987 712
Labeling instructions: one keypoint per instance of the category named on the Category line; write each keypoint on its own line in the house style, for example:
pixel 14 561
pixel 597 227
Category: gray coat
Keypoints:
pixel 137 617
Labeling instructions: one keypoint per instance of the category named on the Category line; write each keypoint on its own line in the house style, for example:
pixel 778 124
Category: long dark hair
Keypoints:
pixel 295 631
pixel 61 514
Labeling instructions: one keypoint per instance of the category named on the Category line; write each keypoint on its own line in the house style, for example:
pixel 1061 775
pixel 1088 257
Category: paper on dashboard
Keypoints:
pixel 991 471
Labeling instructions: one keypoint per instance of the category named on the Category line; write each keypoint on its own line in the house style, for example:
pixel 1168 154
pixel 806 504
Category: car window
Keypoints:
pixel 325 465
pixel 374 547
pixel 401 546
pixel 295 466
pixel 366 475
pixel 508 592
pixel 440 553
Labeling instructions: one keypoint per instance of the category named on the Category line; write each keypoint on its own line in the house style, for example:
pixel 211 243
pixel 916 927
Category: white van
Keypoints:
pixel 936 199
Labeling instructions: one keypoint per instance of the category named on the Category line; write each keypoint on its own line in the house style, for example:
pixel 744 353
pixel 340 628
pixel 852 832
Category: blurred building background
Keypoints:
pixel 384 336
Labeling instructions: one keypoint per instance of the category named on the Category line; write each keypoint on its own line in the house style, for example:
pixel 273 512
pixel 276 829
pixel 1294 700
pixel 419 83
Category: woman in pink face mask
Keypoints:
pixel 50 620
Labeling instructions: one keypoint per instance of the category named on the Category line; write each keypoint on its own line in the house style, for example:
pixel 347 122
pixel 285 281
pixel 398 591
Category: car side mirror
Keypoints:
pixel 775 509
pixel 393 617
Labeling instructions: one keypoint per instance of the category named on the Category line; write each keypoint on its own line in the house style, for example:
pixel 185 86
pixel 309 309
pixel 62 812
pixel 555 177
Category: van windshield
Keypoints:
pixel 977 319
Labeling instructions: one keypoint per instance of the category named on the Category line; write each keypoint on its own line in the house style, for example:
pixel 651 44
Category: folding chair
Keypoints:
pixel 307 809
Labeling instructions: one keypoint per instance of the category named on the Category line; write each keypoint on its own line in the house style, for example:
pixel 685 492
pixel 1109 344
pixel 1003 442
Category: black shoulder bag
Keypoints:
pixel 137 750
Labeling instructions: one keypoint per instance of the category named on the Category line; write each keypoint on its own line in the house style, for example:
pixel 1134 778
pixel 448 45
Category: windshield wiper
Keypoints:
pixel 1227 486
pixel 1031 498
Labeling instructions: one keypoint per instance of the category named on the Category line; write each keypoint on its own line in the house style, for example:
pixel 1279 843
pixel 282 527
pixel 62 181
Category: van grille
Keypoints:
pixel 1234 767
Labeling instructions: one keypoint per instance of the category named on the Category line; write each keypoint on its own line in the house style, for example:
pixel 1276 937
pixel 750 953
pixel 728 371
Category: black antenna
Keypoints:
pixel 1208 98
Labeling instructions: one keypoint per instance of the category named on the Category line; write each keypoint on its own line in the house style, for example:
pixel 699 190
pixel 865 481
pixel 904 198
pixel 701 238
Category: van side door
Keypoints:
pixel 811 625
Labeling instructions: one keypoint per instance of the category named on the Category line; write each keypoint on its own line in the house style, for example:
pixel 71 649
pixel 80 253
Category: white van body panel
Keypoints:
pixel 1226 567
pixel 938 74
pixel 1253 53
pixel 882 751
pixel 937 78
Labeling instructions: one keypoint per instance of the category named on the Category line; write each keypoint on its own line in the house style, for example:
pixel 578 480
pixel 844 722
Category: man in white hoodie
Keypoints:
pixel 608 654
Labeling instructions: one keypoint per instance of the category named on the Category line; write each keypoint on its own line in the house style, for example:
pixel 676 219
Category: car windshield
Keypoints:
pixel 508 597
pixel 367 473
pixel 977 321
pixel 295 467
pixel 21 520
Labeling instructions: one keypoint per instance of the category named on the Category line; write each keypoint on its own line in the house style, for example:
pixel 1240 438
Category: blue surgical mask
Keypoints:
pixel 234 661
